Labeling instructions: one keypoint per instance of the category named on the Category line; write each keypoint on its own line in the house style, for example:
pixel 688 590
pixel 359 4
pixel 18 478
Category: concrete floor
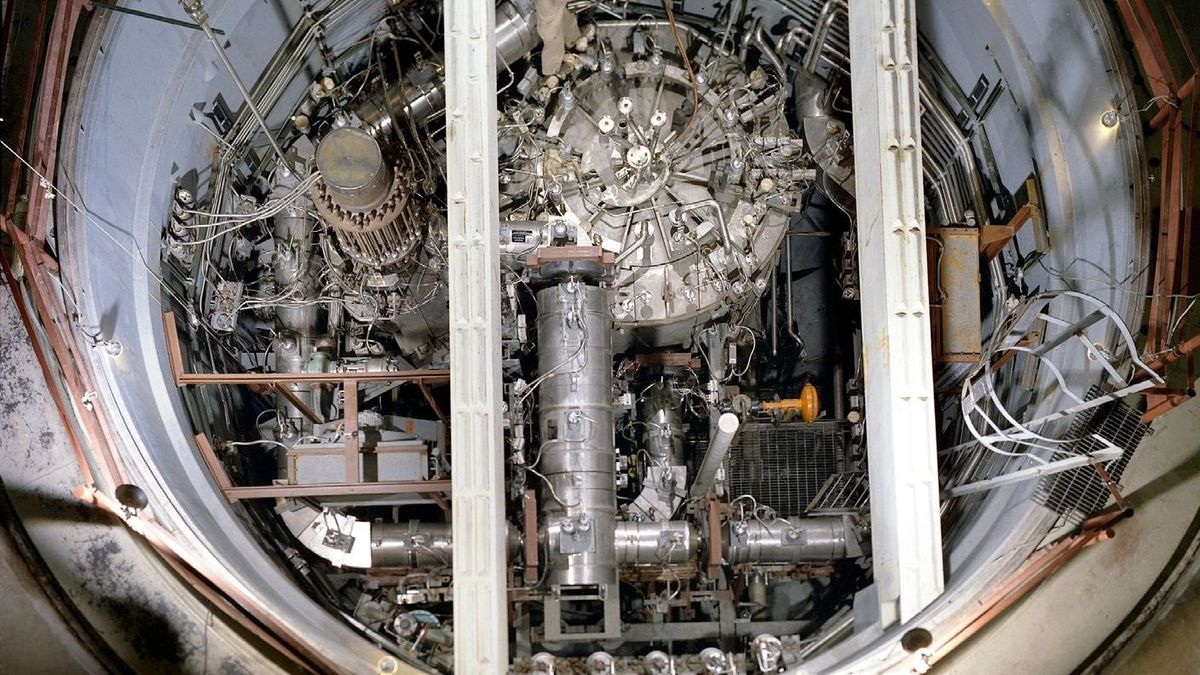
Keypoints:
pixel 1061 622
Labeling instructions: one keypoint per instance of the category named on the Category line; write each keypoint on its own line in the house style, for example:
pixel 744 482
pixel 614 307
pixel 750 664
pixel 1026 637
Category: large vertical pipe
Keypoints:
pixel 296 326
pixel 575 417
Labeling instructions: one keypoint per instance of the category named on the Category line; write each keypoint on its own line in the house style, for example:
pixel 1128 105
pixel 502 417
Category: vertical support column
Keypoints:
pixel 902 450
pixel 480 608
pixel 350 428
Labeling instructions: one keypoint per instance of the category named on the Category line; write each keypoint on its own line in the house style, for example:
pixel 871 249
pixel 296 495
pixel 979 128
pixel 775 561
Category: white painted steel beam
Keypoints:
pixel 901 443
pixel 480 607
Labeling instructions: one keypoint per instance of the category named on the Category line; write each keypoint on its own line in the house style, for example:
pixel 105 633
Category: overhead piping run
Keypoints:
pixel 195 9
pixel 348 542
pixel 515 36
pixel 897 355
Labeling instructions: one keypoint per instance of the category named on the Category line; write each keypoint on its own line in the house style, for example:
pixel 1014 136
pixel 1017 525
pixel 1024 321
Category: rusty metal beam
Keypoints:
pixel 529 505
pixel 1185 348
pixel 1162 404
pixel 79 404
pixel 56 392
pixel 338 489
pixel 298 403
pixel 1149 46
pixel 182 377
pixel 1164 113
pixel 437 409
pixel 993 238
pixel 220 477
pixel 1182 32
pixel 14 184
pixel 350 429
pixel 1036 569
pixel 49 110
pixel 415 376
pixel 1169 236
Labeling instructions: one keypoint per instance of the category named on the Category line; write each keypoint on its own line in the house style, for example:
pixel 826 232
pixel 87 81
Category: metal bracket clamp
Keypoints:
pixel 897 355
pixel 606 595
pixel 576 535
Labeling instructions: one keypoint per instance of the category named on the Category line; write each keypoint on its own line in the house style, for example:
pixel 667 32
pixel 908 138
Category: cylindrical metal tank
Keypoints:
pixel 664 423
pixel 670 542
pixel 366 200
pixel 579 500
pixel 791 540
pixel 417 544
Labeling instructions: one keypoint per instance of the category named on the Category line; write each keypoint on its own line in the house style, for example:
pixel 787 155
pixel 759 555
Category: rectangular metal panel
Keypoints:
pixel 956 313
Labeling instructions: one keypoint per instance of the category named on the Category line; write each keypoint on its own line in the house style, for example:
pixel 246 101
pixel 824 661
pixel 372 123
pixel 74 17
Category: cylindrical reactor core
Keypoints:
pixel 365 201
pixel 352 166
pixel 575 418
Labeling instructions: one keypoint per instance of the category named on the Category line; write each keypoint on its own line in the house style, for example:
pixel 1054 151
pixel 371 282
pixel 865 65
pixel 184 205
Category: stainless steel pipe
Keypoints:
pixel 791 540
pixel 575 417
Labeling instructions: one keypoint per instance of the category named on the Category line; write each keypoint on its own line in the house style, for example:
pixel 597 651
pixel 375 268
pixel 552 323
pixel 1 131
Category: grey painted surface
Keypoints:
pixel 33 636
pixel 119 585
pixel 127 137
pixel 1057 626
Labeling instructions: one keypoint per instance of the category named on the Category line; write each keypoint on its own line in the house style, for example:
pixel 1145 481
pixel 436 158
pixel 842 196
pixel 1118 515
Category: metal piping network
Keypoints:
pixel 516 36
pixel 348 542
pixel 296 326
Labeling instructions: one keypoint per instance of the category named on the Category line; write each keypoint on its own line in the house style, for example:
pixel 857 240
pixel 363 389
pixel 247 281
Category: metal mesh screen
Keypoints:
pixel 1078 493
pixel 848 492
pixel 784 465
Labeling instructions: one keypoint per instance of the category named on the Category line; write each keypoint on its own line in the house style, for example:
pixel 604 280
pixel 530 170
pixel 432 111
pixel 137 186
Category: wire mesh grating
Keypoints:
pixel 783 466
pixel 1079 493
pixel 848 492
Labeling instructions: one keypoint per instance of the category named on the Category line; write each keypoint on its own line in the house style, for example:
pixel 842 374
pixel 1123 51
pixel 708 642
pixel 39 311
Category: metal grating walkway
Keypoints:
pixel 1079 493
pixel 783 466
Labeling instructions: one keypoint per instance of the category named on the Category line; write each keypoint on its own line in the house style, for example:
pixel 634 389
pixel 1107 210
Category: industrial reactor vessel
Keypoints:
pixel 576 336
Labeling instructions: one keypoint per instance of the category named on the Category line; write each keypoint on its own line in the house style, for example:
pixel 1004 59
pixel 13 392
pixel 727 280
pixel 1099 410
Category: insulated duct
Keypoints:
pixel 579 502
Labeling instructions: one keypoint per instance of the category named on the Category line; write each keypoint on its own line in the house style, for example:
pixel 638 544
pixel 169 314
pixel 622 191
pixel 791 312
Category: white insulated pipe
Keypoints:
pixel 718 448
